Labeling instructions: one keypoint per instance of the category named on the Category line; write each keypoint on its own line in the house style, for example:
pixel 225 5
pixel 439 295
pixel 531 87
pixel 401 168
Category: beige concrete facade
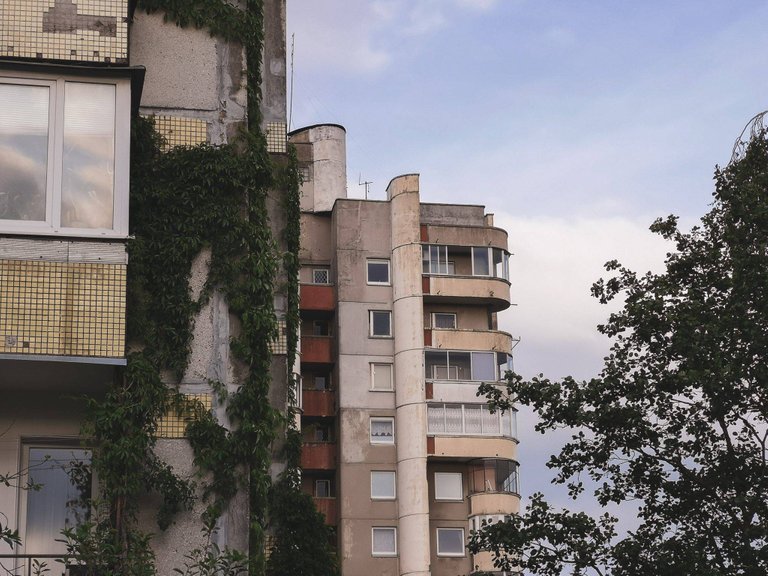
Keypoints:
pixel 63 290
pixel 420 460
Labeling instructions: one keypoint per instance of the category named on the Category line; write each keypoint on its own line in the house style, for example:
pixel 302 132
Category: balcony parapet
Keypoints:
pixel 319 402
pixel 495 340
pixel 328 507
pixel 317 297
pixel 453 289
pixel 318 456
pixel 317 349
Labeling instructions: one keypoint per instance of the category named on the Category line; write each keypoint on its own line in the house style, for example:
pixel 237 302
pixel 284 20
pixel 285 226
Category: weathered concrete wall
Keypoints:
pixel 452 214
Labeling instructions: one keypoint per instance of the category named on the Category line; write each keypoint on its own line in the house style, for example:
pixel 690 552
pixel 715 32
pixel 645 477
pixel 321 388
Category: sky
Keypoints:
pixel 575 122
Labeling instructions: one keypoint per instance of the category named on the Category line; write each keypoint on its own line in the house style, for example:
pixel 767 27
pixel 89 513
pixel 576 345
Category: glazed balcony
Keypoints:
pixel 318 456
pixel 328 507
pixel 317 297
pixel 316 349
pixel 456 274
pixel 319 402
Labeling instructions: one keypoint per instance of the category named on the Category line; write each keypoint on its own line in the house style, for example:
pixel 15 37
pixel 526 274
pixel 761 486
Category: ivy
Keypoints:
pixel 184 202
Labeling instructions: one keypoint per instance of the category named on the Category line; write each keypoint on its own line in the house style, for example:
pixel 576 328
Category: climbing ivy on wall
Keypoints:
pixel 185 201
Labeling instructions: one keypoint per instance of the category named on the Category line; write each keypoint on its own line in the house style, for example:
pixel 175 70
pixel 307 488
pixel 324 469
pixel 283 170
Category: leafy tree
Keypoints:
pixel 675 423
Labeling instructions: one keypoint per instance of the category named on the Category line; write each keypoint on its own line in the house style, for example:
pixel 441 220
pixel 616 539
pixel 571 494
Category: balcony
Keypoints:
pixel 481 290
pixel 318 456
pixel 316 349
pixel 469 447
pixel 319 297
pixel 328 507
pixel 319 402
pixel 472 340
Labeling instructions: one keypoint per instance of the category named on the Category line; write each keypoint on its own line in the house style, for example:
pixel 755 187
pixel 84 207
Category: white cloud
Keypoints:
pixel 555 262
pixel 477 4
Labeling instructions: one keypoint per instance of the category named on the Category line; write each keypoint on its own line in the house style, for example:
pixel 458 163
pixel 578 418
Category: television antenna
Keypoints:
pixel 367 184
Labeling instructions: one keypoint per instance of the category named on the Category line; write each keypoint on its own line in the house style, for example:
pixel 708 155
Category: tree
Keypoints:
pixel 676 420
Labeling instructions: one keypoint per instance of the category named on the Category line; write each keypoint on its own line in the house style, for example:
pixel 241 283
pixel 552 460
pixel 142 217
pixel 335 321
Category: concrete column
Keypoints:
pixel 410 404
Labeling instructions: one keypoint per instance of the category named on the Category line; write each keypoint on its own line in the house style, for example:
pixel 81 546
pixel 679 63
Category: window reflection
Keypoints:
pixel 87 193
pixel 23 151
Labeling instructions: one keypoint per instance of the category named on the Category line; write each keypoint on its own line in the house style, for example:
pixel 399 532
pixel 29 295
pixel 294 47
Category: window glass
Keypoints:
pixel 63 475
pixel 320 382
pixel 321 328
pixel 459 365
pixel 382 431
pixel 383 541
pixel 383 485
pixel 23 151
pixel 473 419
pixel 323 488
pixel 484 366
pixel 444 320
pixel 490 422
pixel 435 260
pixel 500 264
pixel 480 264
pixel 378 271
pixel 381 323
pixel 448 486
pixel 450 542
pixel 436 365
pixel 435 418
pixel 381 376
pixel 454 419
pixel 88 177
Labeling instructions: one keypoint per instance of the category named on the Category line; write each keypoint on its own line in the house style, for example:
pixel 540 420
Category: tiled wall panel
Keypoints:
pixel 179 131
pixel 62 309
pixel 71 30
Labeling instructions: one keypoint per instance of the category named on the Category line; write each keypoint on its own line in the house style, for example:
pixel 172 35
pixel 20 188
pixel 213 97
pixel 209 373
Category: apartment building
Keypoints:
pixel 72 76
pixel 399 304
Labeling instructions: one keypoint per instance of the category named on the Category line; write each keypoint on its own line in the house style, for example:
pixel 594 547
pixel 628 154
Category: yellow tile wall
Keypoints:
pixel 174 423
pixel 72 30
pixel 62 309
pixel 180 131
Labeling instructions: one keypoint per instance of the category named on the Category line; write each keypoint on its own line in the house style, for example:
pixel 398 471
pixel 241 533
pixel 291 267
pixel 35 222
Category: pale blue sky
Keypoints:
pixel 575 122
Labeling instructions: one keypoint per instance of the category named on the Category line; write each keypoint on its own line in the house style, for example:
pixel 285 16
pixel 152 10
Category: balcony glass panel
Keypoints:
pixel 469 420
pixel 493 475
pixel 483 366
pixel 465 261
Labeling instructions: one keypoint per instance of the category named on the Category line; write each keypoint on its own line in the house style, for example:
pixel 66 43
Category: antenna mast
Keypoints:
pixel 367 184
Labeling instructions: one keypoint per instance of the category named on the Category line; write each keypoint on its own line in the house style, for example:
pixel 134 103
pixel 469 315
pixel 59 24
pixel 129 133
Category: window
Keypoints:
pixel 448 486
pixel 493 475
pixel 64 148
pixel 450 542
pixel 378 272
pixel 458 365
pixel 321 276
pixel 434 260
pixel 381 377
pixel 444 320
pixel 380 323
pixel 64 477
pixel 470 419
pixel 321 328
pixel 382 430
pixel 480 263
pixel 384 541
pixel 320 382
pixel 322 488
pixel 382 485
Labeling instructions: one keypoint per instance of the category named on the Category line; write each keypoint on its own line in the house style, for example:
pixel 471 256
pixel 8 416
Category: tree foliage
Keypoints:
pixel 676 420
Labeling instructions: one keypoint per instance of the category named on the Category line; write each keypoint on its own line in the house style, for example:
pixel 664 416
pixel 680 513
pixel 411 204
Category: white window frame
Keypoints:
pixel 391 366
pixel 488 255
pixel 327 272
pixel 387 440
pixel 28 474
pixel 509 418
pixel 436 314
pixel 368 280
pixel 387 553
pixel 52 224
pixel 452 554
pixel 327 483
pixel 370 323
pixel 389 473
pixel 449 498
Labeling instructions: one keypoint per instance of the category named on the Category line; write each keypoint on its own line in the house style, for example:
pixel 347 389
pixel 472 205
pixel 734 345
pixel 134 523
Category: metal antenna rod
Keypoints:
pixel 367 183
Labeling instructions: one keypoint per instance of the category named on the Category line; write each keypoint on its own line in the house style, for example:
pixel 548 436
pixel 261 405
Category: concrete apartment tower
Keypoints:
pixel 399 304
pixel 83 69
